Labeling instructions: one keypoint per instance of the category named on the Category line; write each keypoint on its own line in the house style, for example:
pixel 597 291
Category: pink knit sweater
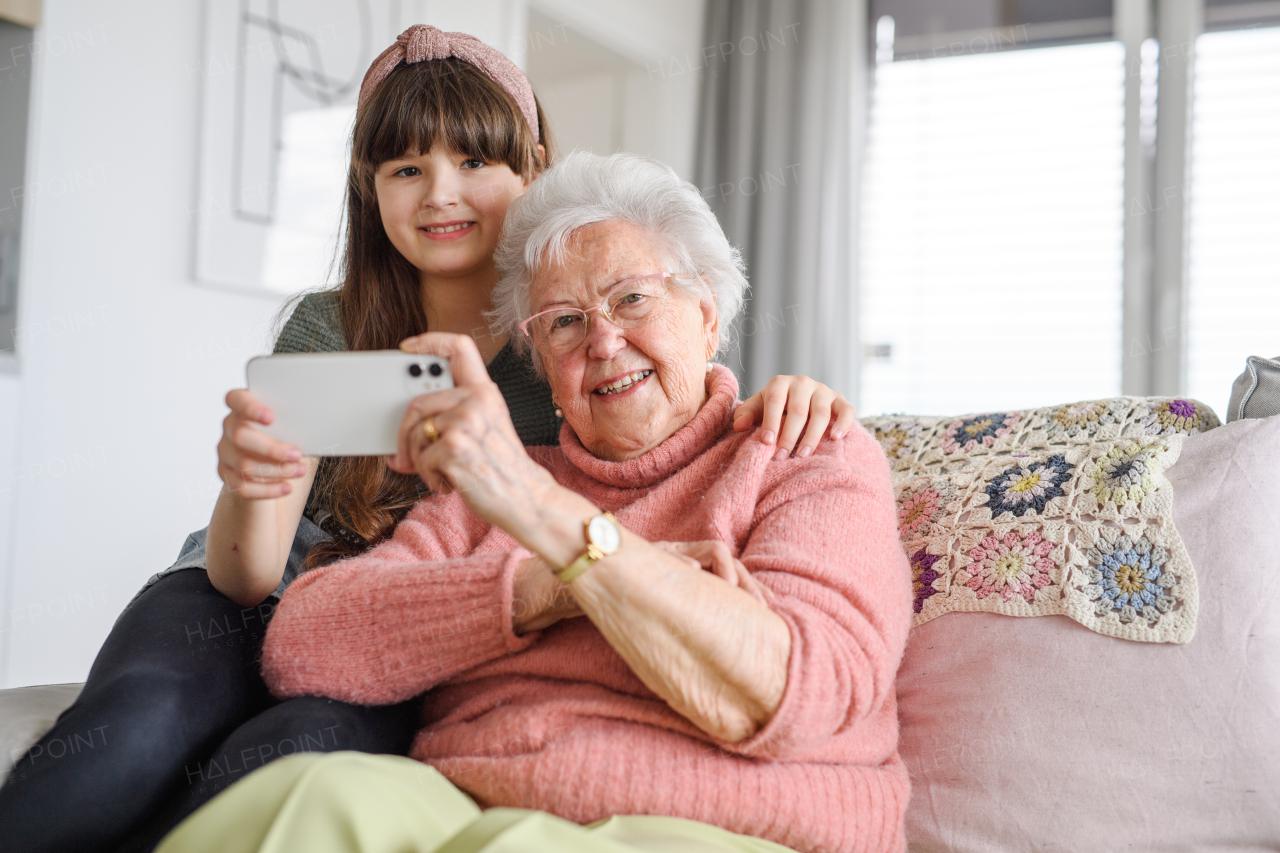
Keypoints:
pixel 556 720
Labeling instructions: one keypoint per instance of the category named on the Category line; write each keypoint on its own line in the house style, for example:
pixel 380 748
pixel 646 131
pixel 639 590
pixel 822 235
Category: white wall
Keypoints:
pixel 615 75
pixel 124 361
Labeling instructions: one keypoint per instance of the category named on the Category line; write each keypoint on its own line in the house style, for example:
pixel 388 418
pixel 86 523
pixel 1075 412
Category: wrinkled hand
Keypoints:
pixel 539 599
pixel 478 452
pixel 714 556
pixel 254 465
pixel 802 400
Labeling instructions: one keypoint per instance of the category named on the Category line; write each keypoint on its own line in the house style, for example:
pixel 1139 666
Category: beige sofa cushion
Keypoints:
pixel 26 713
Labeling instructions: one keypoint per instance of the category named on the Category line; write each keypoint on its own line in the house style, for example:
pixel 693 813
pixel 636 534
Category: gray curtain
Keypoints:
pixel 779 139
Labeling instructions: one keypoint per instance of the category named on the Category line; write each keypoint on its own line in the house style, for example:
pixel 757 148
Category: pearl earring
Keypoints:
pixel 559 411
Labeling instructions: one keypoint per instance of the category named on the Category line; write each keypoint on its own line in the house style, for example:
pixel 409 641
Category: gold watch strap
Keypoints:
pixel 580 565
pixel 589 557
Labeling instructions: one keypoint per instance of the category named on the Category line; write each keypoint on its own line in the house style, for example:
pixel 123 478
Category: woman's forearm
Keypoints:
pixel 713 652
pixel 382 627
pixel 248 541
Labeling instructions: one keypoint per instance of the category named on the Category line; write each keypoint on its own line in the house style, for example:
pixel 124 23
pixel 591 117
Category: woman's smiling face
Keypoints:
pixel 669 352
pixel 443 210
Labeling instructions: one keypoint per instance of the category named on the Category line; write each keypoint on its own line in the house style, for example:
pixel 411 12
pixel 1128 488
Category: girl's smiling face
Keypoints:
pixel 443 211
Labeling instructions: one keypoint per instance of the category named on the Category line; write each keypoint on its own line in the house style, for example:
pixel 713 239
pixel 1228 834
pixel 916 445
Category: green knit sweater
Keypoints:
pixel 316 326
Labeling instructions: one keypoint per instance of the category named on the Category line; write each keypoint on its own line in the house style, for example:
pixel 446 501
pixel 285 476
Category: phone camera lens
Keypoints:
pixel 435 370
pixel 416 369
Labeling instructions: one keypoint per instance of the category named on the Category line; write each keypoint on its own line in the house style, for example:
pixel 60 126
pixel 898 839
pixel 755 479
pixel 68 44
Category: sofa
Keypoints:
pixel 1042 715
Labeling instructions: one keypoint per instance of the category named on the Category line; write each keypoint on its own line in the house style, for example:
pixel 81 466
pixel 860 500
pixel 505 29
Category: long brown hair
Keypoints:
pixel 447 101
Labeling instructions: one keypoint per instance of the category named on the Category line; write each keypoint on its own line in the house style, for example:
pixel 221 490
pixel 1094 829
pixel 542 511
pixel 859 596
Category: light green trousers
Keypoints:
pixel 349 802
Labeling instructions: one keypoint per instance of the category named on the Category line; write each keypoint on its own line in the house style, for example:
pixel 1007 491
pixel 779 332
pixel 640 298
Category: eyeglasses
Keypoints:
pixel 628 304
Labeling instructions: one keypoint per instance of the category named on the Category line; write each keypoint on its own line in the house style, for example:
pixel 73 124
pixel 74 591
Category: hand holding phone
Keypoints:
pixel 254 465
pixel 463 440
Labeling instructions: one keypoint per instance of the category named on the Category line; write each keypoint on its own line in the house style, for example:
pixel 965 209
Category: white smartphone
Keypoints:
pixel 343 403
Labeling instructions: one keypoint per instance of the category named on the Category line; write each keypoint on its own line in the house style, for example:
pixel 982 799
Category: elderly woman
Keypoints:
pixel 744 617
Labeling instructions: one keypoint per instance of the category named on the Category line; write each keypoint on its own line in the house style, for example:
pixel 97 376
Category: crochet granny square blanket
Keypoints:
pixel 1060 510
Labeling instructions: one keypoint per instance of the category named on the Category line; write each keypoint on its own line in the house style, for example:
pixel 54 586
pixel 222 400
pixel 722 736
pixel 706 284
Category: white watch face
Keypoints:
pixel 604 534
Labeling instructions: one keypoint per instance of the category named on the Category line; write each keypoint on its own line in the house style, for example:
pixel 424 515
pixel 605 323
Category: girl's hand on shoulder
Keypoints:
pixel 252 464
pixel 789 403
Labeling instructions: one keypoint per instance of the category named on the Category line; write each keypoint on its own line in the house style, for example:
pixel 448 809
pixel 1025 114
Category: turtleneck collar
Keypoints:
pixel 687 443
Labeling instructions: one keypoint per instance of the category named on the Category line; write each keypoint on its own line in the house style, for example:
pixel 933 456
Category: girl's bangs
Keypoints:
pixel 447 101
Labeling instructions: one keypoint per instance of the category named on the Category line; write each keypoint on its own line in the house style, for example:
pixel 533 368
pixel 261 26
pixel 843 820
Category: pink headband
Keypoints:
pixel 422 42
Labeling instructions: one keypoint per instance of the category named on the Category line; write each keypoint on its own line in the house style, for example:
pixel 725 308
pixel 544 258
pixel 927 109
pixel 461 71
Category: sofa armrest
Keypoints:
pixel 26 713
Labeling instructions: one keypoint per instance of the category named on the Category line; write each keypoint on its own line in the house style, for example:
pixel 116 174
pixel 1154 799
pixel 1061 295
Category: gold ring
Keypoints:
pixel 429 430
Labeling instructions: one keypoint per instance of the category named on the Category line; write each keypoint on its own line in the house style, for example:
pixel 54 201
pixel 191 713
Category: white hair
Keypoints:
pixel 583 189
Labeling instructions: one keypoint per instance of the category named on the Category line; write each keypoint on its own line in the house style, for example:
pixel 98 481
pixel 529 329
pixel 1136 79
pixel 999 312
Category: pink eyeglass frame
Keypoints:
pixel 523 325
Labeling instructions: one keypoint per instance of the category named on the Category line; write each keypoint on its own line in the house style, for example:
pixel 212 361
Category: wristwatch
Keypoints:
pixel 604 537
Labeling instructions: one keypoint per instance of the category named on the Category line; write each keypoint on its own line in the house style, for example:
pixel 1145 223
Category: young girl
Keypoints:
pixel 447 135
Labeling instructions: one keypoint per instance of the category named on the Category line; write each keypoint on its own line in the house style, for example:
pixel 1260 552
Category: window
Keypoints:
pixel 992 229
pixel 1021 247
pixel 1234 298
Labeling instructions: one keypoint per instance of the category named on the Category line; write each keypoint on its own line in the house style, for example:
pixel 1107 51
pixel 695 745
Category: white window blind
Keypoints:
pixel 992 231
pixel 1234 300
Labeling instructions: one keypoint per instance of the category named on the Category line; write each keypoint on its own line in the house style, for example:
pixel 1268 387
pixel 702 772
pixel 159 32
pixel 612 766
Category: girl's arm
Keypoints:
pixel 265 488
pixel 802 400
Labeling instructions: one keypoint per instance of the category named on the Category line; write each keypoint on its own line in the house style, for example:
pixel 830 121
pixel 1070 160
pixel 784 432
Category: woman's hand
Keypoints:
pixel 252 464
pixel 802 400
pixel 713 555
pixel 477 452
pixel 538 598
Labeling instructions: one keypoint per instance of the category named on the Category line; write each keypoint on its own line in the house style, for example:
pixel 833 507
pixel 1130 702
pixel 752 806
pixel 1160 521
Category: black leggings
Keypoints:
pixel 174 710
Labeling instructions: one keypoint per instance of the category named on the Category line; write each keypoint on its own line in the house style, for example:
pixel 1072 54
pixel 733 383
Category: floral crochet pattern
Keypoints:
pixel 1128 580
pixel 1028 487
pixel 967 433
pixel 898 439
pixel 922 577
pixel 1174 417
pixel 1123 475
pixel 1083 419
pixel 1013 565
pixel 920 509
pixel 1063 510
